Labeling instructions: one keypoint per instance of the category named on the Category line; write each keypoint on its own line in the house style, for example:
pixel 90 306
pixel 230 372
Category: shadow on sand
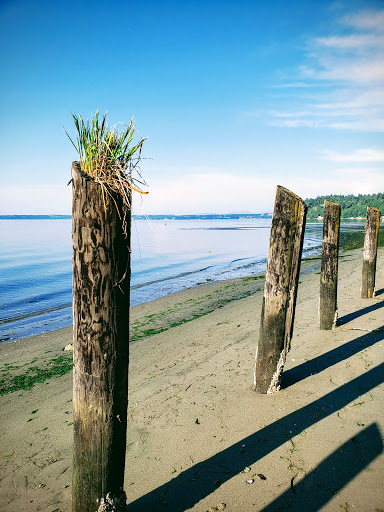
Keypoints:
pixel 331 475
pixel 356 314
pixel 338 354
pixel 200 480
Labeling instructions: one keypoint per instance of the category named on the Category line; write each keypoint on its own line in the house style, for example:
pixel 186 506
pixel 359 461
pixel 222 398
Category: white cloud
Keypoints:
pixel 354 71
pixel 294 85
pixel 354 41
pixel 359 155
pixel 297 123
pixel 374 100
pixel 366 19
pixel 370 173
pixel 352 66
pixel 369 125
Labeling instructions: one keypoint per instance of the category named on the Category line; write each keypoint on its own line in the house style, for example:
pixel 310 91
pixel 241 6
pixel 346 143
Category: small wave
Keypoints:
pixel 178 276
pixel 34 314
pixel 35 299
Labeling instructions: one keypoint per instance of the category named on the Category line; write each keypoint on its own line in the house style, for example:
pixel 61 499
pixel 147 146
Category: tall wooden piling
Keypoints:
pixel 370 253
pixel 295 272
pixel 101 279
pixel 281 281
pixel 329 265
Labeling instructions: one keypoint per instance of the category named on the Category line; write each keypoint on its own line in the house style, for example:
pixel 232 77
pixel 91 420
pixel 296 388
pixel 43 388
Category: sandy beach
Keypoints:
pixel 199 438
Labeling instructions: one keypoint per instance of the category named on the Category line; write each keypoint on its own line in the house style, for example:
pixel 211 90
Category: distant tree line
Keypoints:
pixel 351 206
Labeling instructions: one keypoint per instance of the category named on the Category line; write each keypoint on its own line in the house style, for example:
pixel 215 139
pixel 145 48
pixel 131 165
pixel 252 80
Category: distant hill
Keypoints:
pixel 351 206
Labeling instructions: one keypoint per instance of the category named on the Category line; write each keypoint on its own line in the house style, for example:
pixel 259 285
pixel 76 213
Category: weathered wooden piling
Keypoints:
pixel 281 281
pixel 101 285
pixel 329 265
pixel 370 253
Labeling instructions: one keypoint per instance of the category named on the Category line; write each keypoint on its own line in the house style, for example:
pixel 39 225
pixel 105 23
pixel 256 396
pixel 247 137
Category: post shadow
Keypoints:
pixel 356 314
pixel 200 480
pixel 332 474
pixel 334 356
pixel 379 292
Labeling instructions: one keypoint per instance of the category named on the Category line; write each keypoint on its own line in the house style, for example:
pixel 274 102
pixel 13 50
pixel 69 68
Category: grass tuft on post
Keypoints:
pixel 108 157
pixel 102 184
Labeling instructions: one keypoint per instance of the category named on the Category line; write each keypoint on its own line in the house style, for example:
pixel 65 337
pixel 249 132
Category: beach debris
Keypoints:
pixel 113 503
pixel 243 449
pixel 360 329
pixel 219 507
pixel 250 481
pixel 68 348
pixel 247 469
pixel 40 486
pixel 261 476
pixel 197 421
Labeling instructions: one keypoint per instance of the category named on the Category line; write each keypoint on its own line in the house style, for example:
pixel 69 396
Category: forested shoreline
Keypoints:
pixel 351 206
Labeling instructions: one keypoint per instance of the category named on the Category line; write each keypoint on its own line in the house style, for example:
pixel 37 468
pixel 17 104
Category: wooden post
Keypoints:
pixel 295 272
pixel 370 253
pixel 281 281
pixel 101 285
pixel 329 265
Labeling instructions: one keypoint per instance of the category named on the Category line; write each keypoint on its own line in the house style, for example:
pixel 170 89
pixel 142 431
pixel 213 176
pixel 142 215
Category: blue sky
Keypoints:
pixel 234 97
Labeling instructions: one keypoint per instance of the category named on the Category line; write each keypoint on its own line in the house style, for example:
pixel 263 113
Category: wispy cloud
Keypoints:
pixel 359 155
pixel 351 42
pixel 351 64
pixel 294 85
pixel 366 19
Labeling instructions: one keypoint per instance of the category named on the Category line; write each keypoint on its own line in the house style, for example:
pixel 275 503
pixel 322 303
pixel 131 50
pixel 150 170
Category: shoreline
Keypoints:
pixel 60 316
pixel 146 319
pixel 196 429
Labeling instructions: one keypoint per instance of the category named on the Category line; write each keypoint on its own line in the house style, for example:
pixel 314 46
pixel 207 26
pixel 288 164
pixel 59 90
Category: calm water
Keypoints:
pixel 167 256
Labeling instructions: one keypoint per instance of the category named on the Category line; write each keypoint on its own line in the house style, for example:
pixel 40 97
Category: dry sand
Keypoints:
pixel 197 431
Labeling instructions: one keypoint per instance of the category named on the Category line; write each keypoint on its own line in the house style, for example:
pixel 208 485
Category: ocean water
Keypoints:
pixel 167 256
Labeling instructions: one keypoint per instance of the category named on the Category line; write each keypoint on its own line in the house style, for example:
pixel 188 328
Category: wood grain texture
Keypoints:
pixel 295 272
pixel 329 265
pixel 101 286
pixel 280 291
pixel 370 253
